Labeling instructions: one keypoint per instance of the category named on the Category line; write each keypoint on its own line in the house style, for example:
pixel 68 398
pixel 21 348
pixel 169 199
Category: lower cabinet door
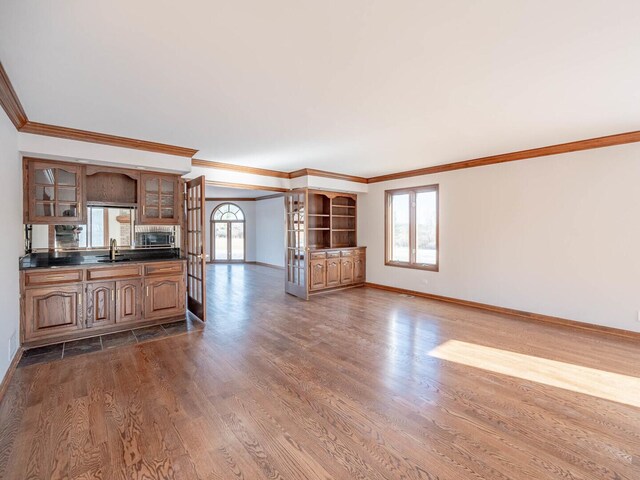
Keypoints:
pixel 52 311
pixel 128 301
pixel 346 271
pixel 317 274
pixel 164 296
pixel 333 272
pixel 359 269
pixel 101 302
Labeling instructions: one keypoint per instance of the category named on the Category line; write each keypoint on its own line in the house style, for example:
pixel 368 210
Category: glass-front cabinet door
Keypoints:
pixel 159 199
pixel 55 193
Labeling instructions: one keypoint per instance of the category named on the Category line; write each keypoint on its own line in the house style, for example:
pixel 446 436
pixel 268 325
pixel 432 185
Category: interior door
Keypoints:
pixel 296 250
pixel 195 242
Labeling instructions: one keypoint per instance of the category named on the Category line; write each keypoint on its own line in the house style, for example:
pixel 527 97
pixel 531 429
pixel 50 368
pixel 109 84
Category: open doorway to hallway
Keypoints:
pixel 244 226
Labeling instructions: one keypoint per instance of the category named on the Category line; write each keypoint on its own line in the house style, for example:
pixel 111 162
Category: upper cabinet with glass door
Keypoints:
pixel 55 193
pixel 158 200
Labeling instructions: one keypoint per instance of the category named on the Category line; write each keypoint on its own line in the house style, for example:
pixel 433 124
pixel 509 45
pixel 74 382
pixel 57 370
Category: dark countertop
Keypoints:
pixel 96 258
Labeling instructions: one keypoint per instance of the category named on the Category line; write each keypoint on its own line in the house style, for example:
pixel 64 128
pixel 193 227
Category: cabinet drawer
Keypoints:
pixel 110 273
pixel 359 251
pixel 164 268
pixel 333 254
pixel 52 277
pixel 347 253
pixel 317 255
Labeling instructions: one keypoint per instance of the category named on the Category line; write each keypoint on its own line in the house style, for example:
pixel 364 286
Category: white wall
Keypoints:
pixel 270 231
pixel 249 209
pixel 11 241
pixel 558 236
pixel 54 148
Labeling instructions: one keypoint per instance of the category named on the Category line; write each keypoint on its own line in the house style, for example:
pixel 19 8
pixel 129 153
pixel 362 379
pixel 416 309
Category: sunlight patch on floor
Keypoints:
pixel 590 381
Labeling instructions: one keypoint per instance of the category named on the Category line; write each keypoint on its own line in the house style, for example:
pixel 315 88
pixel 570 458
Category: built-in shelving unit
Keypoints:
pixel 321 242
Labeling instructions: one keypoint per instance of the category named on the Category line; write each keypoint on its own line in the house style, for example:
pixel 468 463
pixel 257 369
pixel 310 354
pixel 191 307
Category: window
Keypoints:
pixel 411 229
pixel 227 233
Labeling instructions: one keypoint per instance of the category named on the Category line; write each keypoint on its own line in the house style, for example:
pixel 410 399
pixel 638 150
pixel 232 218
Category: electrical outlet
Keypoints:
pixel 13 346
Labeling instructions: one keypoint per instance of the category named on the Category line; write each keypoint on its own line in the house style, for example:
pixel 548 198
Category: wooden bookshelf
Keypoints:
pixel 321 246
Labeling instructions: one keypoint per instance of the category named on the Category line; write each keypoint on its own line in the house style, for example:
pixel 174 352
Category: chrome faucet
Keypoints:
pixel 113 249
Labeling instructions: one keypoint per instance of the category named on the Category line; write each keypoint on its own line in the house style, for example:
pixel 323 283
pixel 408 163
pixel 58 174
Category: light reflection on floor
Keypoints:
pixel 590 381
pixel 408 337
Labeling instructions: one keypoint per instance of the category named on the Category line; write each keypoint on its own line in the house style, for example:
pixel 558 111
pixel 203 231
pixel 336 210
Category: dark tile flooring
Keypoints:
pixel 58 351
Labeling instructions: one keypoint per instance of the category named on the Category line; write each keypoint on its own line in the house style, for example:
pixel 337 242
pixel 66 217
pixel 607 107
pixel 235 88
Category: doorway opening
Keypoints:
pixel 228 239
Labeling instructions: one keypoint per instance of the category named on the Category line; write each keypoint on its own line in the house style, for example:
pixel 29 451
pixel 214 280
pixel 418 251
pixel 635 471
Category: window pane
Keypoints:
pixel 220 239
pixel 237 241
pixel 426 227
pixel 400 228
pixel 97 227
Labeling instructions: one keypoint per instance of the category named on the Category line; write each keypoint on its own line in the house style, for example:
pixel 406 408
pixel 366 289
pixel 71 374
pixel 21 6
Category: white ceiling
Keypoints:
pixel 222 192
pixel 360 87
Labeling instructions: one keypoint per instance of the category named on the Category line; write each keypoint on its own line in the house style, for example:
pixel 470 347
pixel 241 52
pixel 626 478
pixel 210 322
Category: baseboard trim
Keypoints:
pixel 536 317
pixel 270 265
pixel 10 371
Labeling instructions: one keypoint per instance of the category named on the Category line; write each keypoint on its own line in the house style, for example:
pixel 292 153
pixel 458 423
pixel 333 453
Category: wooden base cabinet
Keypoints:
pixel 69 303
pixel 164 296
pixel 330 269
pixel 52 310
pixel 101 309
pixel 317 274
pixel 128 301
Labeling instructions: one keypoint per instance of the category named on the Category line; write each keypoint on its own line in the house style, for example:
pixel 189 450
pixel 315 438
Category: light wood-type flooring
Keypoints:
pixel 357 384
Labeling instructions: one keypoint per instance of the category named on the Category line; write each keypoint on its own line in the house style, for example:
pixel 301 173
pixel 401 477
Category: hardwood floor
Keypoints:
pixel 358 384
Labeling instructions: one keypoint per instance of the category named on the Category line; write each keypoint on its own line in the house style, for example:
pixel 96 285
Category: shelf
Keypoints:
pixel 343 216
pixel 319 215
pixel 327 228
pixel 343 230
pixel 343 206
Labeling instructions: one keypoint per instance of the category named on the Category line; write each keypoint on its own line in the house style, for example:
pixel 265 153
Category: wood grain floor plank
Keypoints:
pixel 352 385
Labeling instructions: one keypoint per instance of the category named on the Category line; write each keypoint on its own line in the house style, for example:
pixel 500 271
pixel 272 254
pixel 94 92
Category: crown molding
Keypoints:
pixel 104 139
pixel 244 186
pixel 231 199
pixel 322 173
pixel 10 101
pixel 197 162
pixel 588 144
pixel 267 197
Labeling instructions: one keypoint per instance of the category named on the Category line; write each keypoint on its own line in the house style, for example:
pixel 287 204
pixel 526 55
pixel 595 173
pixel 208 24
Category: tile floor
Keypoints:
pixel 58 351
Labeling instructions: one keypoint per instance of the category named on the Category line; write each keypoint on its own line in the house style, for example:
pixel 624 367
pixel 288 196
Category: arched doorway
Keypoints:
pixel 228 240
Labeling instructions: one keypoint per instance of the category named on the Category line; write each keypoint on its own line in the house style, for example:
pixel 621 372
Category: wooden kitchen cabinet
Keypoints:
pixel 159 199
pixel 359 269
pixel 333 271
pixel 69 303
pixel 346 271
pixel 53 193
pixel 101 309
pixel 128 301
pixel 318 274
pixel 51 311
pixel 330 269
pixel 164 296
